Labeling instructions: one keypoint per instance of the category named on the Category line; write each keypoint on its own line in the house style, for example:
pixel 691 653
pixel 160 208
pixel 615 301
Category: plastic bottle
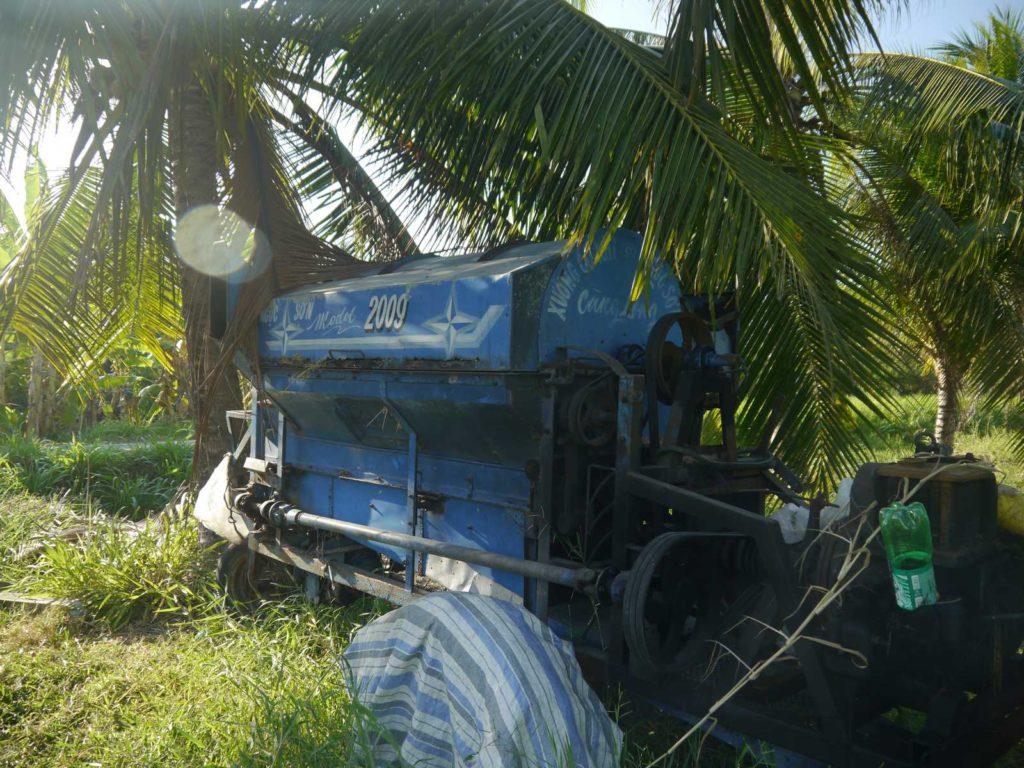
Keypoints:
pixel 908 544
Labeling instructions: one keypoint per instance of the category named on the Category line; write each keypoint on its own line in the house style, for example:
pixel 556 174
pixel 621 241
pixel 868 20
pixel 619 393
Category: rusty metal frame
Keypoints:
pixel 338 572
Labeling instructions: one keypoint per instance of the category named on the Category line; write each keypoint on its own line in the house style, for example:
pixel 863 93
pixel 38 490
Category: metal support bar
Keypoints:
pixel 628 444
pixel 411 490
pixel 246 437
pixel 312 588
pixel 543 501
pixel 410 508
pixel 280 444
pixel 339 573
pixel 569 577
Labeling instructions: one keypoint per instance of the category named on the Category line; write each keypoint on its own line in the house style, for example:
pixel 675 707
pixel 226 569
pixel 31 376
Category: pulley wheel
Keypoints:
pixel 680 599
pixel 665 358
pixel 668 593
pixel 592 415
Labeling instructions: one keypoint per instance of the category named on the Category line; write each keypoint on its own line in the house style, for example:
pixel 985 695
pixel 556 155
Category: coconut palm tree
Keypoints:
pixel 170 102
pixel 497 118
pixel 940 177
pixel 18 244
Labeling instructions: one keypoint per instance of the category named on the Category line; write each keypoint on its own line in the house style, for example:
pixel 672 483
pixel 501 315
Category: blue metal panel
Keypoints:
pixel 587 304
pixel 467 523
pixel 468 481
pixel 453 308
pixel 472 524
pixel 504 313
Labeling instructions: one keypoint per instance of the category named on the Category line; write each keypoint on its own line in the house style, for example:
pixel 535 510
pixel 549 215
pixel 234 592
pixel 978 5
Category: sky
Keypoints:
pixel 919 26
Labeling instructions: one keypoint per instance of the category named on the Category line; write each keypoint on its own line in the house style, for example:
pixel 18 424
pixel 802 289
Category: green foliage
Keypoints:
pixel 265 691
pixel 938 182
pixel 122 430
pixel 134 389
pixel 122 572
pixel 135 688
pixel 916 413
pixel 131 480
pixel 24 518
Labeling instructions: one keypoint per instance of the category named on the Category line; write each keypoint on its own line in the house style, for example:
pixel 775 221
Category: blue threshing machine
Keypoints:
pixel 509 423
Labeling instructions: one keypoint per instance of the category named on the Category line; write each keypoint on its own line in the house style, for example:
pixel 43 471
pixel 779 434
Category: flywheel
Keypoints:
pixel 684 602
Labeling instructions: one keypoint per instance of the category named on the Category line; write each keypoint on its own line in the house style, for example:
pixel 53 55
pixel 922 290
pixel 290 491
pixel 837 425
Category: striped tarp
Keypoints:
pixel 457 679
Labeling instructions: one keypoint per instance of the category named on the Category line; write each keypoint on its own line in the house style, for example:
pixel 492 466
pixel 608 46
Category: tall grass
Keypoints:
pixel 122 573
pixel 25 523
pixel 128 480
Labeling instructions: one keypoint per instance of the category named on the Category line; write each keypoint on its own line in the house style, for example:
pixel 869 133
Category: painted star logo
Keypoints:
pixel 450 323
pixel 286 329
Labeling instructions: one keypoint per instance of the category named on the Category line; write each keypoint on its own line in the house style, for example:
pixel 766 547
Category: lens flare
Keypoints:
pixel 220 243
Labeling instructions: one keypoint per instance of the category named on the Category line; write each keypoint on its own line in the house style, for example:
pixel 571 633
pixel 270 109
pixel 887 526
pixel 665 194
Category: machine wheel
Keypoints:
pixel 592 415
pixel 245 588
pixel 680 597
pixel 663 604
pixel 665 358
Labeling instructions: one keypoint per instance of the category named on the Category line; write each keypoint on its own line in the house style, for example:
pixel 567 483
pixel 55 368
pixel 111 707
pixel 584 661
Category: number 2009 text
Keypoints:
pixel 387 313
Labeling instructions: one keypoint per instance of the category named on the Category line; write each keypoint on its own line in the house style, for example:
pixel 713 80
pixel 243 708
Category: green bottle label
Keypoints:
pixel 915 586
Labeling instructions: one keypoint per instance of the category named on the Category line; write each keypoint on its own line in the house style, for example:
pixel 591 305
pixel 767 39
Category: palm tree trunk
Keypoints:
pixel 949 382
pixel 36 395
pixel 193 142
pixel 49 397
pixel 3 373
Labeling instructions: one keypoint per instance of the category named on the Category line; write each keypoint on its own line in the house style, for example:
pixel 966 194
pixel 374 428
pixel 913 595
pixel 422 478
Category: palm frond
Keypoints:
pixel 995 47
pixel 934 96
pixel 772 44
pixel 75 305
pixel 327 170
pixel 577 131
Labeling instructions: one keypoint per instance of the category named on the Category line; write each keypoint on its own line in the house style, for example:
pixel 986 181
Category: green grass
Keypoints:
pixel 24 524
pixel 160 674
pixel 217 691
pixel 122 573
pixel 115 430
pixel 128 479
